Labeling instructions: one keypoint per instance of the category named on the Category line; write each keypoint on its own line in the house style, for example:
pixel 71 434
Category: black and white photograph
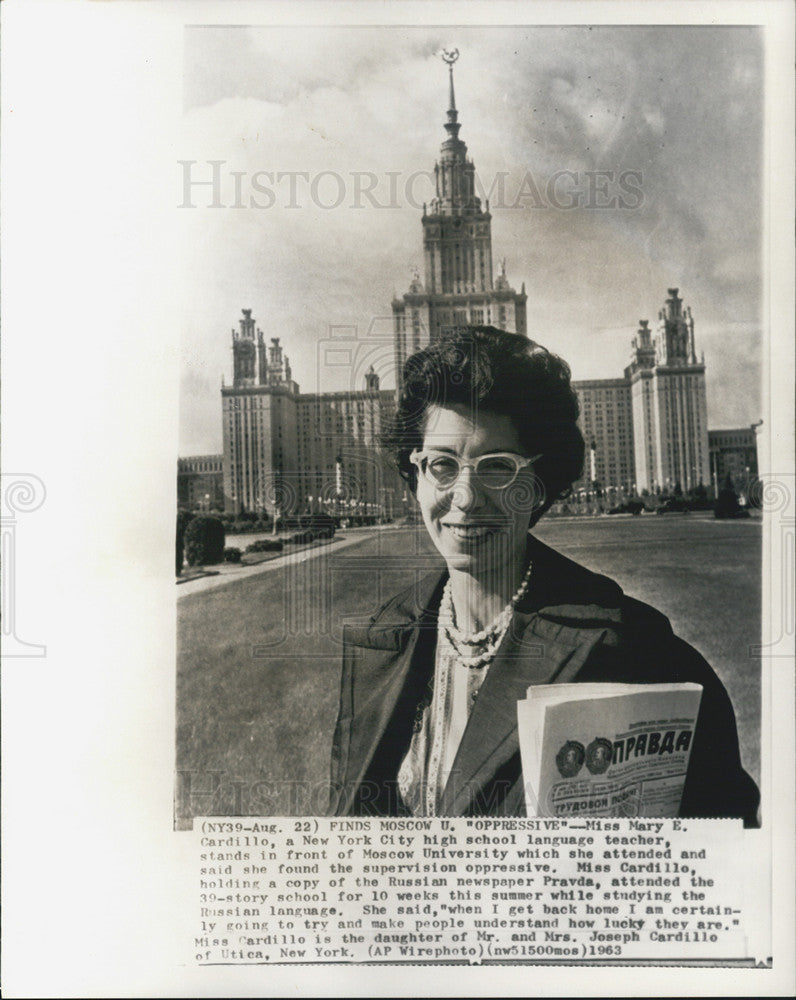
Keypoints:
pixel 398 555
pixel 536 245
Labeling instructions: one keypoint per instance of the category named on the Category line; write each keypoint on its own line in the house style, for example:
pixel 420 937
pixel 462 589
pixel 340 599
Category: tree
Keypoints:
pixel 727 502
pixel 204 541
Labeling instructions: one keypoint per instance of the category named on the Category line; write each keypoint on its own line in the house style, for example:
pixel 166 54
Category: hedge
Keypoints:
pixel 265 545
pixel 204 541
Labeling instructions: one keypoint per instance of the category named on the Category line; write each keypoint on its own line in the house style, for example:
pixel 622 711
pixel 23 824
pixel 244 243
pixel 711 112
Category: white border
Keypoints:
pixel 94 881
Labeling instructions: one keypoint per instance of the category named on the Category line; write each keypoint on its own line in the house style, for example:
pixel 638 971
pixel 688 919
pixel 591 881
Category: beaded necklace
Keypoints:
pixel 420 772
pixel 478 648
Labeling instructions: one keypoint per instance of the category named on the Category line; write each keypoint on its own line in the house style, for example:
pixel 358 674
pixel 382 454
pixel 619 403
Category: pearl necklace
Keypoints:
pixel 489 638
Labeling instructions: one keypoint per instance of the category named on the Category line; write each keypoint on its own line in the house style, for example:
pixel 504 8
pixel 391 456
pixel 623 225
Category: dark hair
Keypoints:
pixel 484 368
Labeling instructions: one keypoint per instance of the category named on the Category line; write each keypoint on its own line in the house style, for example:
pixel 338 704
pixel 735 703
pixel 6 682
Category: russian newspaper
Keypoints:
pixel 606 749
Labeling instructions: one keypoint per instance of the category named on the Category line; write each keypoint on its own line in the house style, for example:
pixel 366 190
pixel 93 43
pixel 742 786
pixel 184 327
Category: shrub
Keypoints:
pixel 240 527
pixel 322 525
pixel 265 545
pixel 300 538
pixel 727 504
pixel 232 555
pixel 204 541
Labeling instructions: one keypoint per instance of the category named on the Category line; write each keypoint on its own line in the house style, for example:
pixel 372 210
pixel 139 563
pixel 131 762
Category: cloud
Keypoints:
pixel 353 119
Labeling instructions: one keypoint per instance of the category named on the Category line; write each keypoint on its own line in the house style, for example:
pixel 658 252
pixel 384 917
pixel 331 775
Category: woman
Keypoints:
pixel 486 436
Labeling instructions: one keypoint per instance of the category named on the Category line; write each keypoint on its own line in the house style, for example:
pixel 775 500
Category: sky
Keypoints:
pixel 621 162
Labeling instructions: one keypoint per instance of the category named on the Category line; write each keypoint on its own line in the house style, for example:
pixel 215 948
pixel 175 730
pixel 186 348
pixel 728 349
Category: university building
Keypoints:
pixel 200 482
pixel 289 451
pixel 644 430
pixel 458 286
pixel 606 422
pixel 734 452
pixel 649 429
pixel 286 451
pixel 670 416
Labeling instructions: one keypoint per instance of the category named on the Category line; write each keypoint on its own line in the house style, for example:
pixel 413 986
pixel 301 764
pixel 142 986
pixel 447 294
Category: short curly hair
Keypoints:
pixel 481 367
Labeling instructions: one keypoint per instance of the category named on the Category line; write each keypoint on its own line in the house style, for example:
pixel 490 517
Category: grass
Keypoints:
pixel 259 657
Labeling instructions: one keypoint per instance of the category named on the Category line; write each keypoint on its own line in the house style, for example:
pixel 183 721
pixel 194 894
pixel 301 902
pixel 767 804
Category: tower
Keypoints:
pixel 458 287
pixel 670 426
pixel 281 446
pixel 248 352
pixel 259 425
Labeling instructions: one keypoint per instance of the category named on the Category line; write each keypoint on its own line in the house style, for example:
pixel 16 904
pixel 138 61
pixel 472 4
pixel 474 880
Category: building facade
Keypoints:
pixel 644 431
pixel 287 452
pixel 259 423
pixel 341 462
pixel 200 482
pixel 648 430
pixel 733 452
pixel 670 417
pixel 606 422
pixel 458 286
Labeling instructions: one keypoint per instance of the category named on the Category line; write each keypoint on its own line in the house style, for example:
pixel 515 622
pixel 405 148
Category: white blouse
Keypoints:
pixel 438 732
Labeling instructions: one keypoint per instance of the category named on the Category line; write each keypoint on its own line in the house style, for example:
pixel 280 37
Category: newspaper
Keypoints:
pixel 113 294
pixel 606 749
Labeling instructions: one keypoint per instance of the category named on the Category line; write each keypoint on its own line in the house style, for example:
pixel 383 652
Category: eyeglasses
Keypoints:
pixel 496 471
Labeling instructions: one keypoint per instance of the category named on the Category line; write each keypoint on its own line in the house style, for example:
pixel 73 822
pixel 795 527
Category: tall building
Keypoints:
pixel 734 452
pixel 648 430
pixel 606 422
pixel 458 286
pixel 670 421
pixel 339 457
pixel 260 423
pixel 286 451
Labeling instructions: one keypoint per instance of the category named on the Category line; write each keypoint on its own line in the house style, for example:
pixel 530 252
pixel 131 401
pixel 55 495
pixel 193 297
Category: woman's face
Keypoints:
pixel 475 528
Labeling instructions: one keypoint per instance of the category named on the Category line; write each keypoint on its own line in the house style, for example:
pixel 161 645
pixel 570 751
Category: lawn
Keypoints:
pixel 259 657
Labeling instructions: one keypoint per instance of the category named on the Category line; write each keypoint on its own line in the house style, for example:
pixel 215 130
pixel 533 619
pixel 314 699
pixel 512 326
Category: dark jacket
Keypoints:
pixel 573 625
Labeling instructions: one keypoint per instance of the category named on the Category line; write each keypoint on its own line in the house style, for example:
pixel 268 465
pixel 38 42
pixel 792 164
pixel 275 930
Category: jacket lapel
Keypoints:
pixel 537 651
pixel 382 683
pixel 388 663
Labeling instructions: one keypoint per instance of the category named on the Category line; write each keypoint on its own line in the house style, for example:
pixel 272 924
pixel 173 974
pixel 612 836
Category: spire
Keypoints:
pixel 452 125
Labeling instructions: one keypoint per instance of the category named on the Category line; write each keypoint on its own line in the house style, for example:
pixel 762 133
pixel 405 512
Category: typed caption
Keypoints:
pixel 475 891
